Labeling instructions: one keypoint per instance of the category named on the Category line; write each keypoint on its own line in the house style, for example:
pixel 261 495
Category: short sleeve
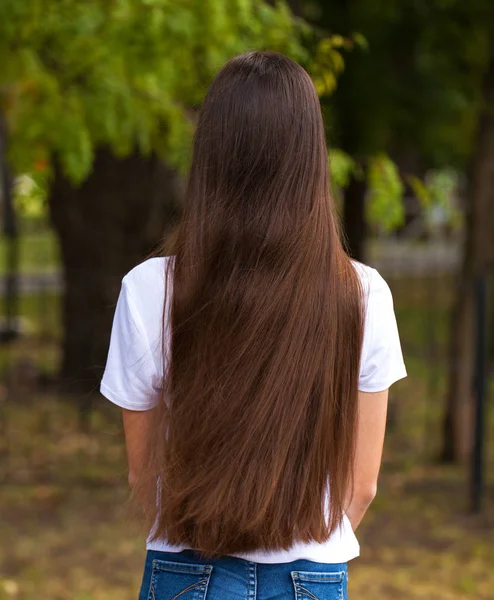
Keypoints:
pixel 382 359
pixel 131 379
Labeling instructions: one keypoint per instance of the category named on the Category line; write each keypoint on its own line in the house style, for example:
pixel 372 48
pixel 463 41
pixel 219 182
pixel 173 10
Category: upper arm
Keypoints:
pixel 372 410
pixel 136 428
pixel 381 365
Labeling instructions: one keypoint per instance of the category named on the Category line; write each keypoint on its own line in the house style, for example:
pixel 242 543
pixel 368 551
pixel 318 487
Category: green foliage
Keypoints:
pixel 361 41
pixel 29 193
pixel 130 73
pixel 77 74
pixel 385 186
pixel 442 187
pixel 420 190
pixel 437 192
pixel 442 184
pixel 342 167
pixel 385 207
pixel 327 63
pixel 413 92
pixel 417 90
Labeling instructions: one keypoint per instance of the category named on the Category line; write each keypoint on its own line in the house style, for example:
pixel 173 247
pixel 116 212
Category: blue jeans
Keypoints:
pixel 186 576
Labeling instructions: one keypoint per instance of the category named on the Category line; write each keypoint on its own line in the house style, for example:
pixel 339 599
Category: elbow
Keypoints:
pixel 366 493
pixel 132 480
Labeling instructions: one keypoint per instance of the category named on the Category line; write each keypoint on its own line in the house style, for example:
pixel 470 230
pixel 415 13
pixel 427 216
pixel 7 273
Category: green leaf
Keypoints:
pixel 342 166
pixel 420 190
pixel 360 40
pixel 385 193
pixel 337 41
pixel 442 188
pixel 29 197
pixel 326 65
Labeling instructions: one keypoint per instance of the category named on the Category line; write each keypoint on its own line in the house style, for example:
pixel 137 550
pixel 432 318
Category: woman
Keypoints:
pixel 254 397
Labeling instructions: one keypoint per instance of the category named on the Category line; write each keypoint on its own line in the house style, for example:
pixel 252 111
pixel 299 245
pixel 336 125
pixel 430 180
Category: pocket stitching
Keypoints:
pixel 298 577
pixel 182 569
pixel 200 585
pixel 179 567
pixel 301 591
pixel 314 577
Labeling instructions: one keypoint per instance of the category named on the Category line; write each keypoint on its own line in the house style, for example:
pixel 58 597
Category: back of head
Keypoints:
pixel 266 326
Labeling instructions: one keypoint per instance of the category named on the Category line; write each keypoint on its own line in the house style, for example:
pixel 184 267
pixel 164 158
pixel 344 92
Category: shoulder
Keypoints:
pixel 148 272
pixel 374 287
pixel 144 288
pixel 146 281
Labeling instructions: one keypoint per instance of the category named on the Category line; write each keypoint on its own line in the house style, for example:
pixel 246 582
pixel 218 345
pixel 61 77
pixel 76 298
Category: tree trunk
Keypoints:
pixel 479 253
pixel 458 417
pixel 355 225
pixel 105 227
pixel 9 329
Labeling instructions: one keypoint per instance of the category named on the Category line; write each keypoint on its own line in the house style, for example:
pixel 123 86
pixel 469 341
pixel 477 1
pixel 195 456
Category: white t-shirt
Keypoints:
pixel 134 371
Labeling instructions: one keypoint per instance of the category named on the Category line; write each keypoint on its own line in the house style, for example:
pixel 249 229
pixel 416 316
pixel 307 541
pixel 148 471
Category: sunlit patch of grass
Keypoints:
pixel 40 335
pixel 38 252
pixel 39 313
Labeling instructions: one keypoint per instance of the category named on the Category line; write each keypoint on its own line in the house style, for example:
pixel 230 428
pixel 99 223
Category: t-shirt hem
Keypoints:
pixel 380 386
pixel 329 559
pixel 340 548
pixel 121 401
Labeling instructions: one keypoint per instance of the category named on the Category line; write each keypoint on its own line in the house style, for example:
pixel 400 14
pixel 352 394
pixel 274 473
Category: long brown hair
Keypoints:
pixel 263 335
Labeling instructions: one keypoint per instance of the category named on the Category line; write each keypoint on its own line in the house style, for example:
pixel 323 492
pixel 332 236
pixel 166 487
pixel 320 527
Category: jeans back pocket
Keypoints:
pixel 310 585
pixel 179 581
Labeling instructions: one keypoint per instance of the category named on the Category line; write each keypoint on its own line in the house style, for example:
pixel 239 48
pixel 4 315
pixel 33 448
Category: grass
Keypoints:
pixel 69 537
pixel 39 313
pixel 38 253
pixel 41 333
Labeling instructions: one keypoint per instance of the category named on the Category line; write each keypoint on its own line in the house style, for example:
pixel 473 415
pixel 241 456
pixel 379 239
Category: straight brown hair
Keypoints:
pixel 263 333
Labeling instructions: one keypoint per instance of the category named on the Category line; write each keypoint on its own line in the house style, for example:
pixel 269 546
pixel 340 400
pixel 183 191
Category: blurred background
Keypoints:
pixel 98 100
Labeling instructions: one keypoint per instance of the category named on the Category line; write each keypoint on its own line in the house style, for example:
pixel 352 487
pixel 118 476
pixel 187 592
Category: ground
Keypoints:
pixel 68 535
